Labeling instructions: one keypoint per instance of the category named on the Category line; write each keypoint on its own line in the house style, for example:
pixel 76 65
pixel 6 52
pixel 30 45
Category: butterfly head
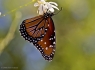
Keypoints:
pixel 46 15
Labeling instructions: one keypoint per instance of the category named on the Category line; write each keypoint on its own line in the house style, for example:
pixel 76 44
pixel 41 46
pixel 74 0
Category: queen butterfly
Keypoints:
pixel 40 31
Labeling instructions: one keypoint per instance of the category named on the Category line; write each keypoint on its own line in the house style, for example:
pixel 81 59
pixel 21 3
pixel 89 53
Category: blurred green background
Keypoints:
pixel 75 34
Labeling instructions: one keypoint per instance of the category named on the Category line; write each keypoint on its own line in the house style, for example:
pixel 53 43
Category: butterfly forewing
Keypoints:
pixel 33 29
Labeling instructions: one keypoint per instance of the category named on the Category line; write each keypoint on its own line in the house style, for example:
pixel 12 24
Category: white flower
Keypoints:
pixel 45 7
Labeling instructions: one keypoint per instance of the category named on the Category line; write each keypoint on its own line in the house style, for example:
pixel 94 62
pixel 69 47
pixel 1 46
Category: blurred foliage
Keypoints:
pixel 75 35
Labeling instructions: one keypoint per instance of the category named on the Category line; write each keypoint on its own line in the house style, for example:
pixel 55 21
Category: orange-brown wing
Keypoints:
pixel 33 29
pixel 47 44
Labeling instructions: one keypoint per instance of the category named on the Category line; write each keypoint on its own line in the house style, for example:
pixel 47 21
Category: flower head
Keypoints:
pixel 45 7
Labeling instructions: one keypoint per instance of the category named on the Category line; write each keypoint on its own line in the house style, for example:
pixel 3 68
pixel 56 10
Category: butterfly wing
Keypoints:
pixel 33 29
pixel 40 31
pixel 47 44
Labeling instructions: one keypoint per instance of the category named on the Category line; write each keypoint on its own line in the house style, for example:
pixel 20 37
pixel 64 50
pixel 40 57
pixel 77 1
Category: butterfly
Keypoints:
pixel 40 31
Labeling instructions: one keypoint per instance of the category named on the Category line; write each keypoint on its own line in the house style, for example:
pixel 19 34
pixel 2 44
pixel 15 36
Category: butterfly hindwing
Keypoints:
pixel 47 44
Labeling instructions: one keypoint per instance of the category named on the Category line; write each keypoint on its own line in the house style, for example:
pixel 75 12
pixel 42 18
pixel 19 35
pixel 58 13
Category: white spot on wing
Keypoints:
pixel 41 40
pixel 39 48
pixel 44 42
pixel 53 49
pixel 42 35
pixel 54 37
pixel 53 42
pixel 48 24
pixel 41 28
pixel 52 52
pixel 46 48
pixel 50 46
pixel 45 29
pixel 49 38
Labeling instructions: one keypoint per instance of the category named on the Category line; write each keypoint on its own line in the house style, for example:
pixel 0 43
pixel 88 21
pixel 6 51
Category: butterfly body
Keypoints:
pixel 40 31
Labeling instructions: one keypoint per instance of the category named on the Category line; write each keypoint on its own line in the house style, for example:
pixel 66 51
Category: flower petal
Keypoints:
pixel 51 10
pixel 45 8
pixel 54 7
pixel 48 5
pixel 40 10
pixel 53 3
pixel 42 1
pixel 36 4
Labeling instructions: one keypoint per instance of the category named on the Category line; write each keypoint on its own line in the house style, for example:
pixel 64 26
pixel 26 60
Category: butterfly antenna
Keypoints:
pixel 58 11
